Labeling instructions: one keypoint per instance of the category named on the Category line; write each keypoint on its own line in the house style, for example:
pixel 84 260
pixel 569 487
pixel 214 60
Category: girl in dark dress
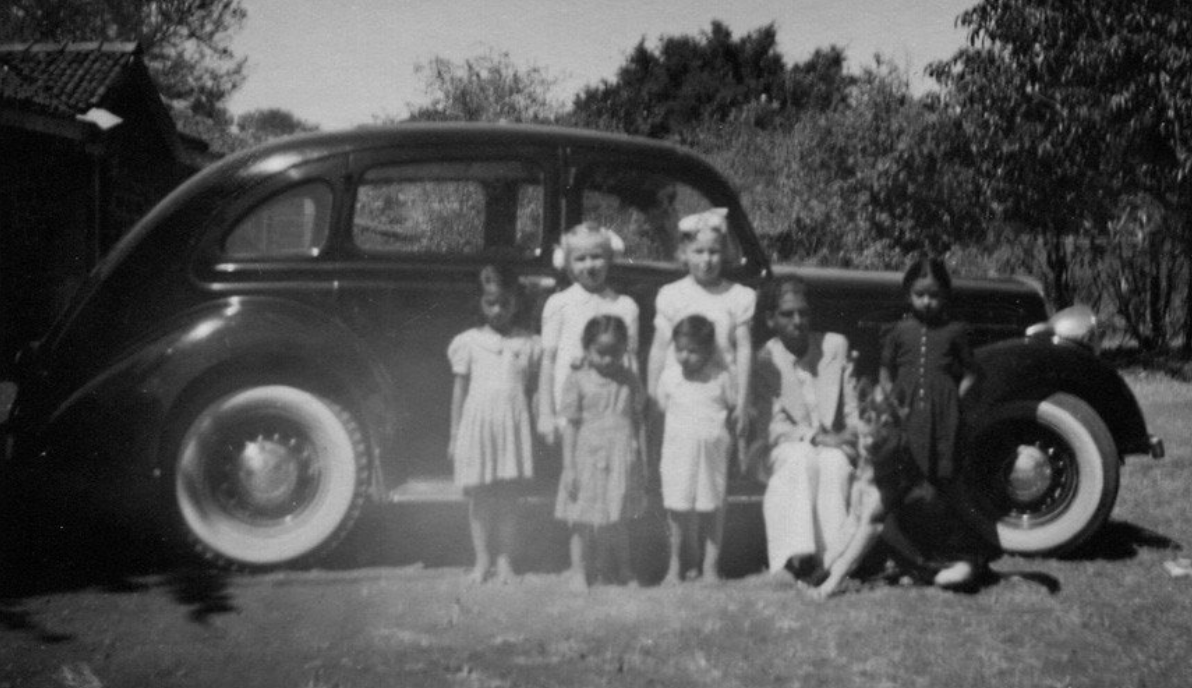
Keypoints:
pixel 927 366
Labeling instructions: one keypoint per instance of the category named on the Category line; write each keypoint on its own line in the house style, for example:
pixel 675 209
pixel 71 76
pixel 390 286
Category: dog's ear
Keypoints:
pixel 866 391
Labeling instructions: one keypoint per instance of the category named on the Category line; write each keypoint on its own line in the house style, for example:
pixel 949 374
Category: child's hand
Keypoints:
pixel 572 485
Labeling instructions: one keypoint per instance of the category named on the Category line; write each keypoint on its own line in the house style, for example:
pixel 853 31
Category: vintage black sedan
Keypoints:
pixel 264 353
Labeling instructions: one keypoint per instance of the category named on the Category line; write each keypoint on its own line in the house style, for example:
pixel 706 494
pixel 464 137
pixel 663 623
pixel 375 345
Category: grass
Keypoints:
pixel 1108 616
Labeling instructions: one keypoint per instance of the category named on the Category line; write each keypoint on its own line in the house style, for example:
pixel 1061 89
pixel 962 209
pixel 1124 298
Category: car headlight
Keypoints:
pixel 1075 325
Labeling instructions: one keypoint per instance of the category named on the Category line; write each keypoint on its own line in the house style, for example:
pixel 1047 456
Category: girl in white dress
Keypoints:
pixel 587 251
pixel 491 442
pixel 705 291
pixel 697 396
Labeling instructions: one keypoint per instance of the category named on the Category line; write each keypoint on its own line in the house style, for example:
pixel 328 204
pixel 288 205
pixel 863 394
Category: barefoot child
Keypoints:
pixel 603 479
pixel 879 480
pixel 704 245
pixel 491 430
pixel 697 397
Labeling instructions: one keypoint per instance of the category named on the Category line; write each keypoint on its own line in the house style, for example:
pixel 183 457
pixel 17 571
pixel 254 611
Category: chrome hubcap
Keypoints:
pixel 264 475
pixel 267 472
pixel 1030 475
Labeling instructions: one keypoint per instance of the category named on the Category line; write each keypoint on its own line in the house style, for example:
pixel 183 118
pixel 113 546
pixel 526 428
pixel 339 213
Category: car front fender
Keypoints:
pixel 1031 369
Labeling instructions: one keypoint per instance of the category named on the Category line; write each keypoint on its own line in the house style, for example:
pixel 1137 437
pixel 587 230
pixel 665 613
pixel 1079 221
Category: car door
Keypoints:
pixel 422 224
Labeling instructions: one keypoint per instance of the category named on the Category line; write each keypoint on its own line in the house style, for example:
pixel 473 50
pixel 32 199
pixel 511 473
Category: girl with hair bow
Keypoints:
pixel 704 248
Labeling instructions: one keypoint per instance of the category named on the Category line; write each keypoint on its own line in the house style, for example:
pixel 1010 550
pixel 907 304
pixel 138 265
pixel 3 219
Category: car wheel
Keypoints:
pixel 268 475
pixel 1042 475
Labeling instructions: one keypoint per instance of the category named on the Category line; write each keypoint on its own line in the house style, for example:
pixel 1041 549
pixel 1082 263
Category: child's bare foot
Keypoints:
pixel 711 573
pixel 578 581
pixel 959 574
pixel 478 574
pixel 826 589
pixel 673 575
pixel 505 573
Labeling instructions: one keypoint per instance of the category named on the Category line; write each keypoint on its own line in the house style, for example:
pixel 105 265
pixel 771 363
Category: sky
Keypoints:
pixel 340 63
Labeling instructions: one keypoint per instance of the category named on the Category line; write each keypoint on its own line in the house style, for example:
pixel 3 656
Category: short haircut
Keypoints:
pixel 602 325
pixel 697 329
pixel 775 290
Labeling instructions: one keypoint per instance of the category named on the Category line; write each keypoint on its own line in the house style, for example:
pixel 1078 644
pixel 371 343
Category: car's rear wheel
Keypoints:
pixel 269 475
pixel 1042 475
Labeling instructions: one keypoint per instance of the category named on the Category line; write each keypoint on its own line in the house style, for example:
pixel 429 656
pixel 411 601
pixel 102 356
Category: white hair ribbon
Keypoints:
pixel 714 219
pixel 615 242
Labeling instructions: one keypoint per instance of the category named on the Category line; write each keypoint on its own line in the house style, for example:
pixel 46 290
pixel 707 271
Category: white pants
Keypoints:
pixel 806 500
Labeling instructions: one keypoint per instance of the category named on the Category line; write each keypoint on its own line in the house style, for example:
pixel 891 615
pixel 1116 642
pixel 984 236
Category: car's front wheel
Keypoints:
pixel 1042 476
pixel 268 475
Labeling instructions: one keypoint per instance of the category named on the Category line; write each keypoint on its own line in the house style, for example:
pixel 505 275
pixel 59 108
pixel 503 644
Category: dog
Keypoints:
pixel 881 446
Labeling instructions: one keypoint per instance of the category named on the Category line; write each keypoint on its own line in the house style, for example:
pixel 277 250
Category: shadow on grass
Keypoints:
pixel 75 556
pixel 1120 540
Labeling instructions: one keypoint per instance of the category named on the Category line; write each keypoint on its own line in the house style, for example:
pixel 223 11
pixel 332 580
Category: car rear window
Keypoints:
pixel 644 207
pixel 450 208
pixel 292 224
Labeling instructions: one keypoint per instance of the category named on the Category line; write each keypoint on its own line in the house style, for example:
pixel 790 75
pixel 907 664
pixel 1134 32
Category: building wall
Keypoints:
pixel 47 245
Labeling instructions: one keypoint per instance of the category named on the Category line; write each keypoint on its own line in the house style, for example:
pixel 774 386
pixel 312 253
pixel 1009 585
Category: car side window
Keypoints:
pixel 292 224
pixel 450 208
pixel 642 206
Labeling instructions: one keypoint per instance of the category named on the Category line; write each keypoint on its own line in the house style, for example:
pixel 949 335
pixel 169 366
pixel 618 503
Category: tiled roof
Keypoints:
pixel 64 79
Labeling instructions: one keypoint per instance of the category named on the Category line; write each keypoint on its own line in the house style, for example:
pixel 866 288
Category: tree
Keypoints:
pixel 185 42
pixel 257 126
pixel 712 77
pixel 1073 108
pixel 491 87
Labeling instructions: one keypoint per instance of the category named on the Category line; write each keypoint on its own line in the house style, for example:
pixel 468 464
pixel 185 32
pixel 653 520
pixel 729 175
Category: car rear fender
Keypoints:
pixel 1031 369
pixel 218 345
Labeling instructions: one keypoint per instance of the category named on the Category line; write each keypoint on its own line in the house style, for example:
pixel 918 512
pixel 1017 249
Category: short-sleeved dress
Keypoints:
pixel 495 436
pixel 727 307
pixel 567 313
pixel 927 362
pixel 608 462
pixel 696 441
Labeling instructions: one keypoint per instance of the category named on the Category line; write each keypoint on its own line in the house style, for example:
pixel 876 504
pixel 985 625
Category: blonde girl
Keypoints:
pixel 697 397
pixel 603 479
pixel 586 253
pixel 491 431
pixel 705 291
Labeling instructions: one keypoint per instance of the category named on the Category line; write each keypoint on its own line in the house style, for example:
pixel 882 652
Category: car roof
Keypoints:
pixel 415 134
